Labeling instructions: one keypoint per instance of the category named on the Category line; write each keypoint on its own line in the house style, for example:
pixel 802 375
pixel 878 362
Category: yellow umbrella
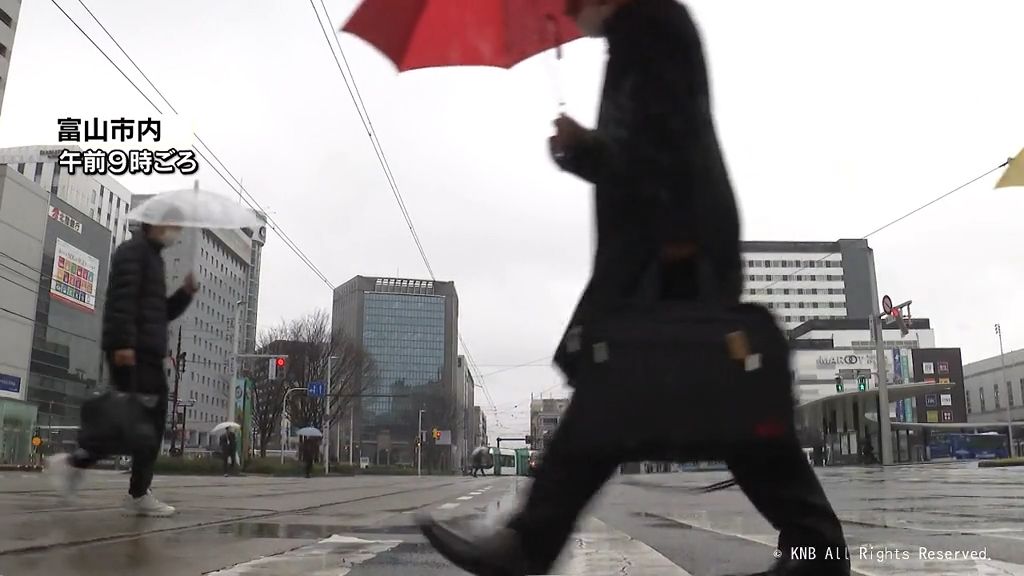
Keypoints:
pixel 1014 175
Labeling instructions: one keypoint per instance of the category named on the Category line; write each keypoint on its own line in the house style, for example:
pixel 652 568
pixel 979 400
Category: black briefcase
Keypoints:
pixel 115 423
pixel 681 378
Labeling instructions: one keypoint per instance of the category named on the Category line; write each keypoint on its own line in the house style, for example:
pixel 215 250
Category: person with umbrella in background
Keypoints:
pixel 135 319
pixel 309 447
pixel 229 450
pixel 668 231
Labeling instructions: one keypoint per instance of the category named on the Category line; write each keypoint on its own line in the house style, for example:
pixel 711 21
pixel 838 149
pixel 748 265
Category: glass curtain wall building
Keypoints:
pixel 410 329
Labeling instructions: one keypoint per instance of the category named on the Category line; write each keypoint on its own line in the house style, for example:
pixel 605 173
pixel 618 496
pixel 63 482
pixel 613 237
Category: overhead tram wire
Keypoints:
pixel 357 100
pixel 241 191
pixel 891 223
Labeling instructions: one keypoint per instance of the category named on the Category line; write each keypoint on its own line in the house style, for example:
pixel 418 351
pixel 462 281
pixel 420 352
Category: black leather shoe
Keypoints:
pixel 496 554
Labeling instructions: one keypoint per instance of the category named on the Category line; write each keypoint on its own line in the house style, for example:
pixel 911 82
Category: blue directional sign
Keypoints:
pixel 316 389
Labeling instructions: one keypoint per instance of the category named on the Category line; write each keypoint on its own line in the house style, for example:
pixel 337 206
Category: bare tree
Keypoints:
pixel 310 346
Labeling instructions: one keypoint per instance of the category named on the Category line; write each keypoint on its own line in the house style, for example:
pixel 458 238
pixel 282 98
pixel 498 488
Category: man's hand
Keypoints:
pixel 190 285
pixel 568 133
pixel 124 357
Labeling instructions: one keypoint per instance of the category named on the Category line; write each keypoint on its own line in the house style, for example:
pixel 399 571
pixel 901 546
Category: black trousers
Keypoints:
pixel 774 475
pixel 309 467
pixel 150 378
pixel 230 460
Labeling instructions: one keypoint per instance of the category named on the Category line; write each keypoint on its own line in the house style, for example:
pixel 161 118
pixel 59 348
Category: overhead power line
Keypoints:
pixel 235 187
pixel 345 70
pixel 889 224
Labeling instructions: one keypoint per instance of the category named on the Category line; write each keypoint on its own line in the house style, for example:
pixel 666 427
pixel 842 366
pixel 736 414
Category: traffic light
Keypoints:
pixel 839 384
pixel 862 383
pixel 436 434
pixel 275 368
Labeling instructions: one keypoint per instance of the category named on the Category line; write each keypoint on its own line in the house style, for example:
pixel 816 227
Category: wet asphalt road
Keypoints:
pixel 646 525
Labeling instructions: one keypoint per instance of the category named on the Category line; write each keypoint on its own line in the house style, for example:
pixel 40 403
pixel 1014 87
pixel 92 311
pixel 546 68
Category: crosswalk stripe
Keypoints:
pixel 904 560
pixel 448 506
pixel 334 556
pixel 601 549
pixel 464 498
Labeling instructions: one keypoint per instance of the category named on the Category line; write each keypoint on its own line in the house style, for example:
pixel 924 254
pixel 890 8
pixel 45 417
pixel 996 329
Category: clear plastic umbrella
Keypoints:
pixel 310 432
pixel 223 426
pixel 195 208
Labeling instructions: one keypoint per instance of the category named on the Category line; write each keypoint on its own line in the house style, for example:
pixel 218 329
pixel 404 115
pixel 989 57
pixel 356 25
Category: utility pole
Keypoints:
pixel 419 445
pixel 327 419
pixel 351 432
pixel 178 359
pixel 884 425
pixel 1009 413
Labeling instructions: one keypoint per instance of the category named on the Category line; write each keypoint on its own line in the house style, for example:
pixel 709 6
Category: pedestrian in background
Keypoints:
pixel 229 450
pixel 136 314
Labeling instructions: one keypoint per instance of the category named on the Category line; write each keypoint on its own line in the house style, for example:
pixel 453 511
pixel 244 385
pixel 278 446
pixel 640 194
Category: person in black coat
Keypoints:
pixel 135 319
pixel 667 230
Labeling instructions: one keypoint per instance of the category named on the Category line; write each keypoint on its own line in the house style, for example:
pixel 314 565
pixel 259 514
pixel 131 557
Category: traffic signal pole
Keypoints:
pixel 884 425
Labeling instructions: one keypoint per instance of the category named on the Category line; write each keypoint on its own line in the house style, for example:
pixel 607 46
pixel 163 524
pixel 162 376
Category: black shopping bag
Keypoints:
pixel 682 378
pixel 115 422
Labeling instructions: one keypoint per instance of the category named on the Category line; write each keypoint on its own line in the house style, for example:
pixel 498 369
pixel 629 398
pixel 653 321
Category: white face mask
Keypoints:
pixel 592 17
pixel 170 236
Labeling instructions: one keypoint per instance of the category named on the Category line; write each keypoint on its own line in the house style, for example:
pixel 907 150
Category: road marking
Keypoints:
pixel 477 493
pixel 904 559
pixel 600 549
pixel 448 506
pixel 334 556
pixel 464 498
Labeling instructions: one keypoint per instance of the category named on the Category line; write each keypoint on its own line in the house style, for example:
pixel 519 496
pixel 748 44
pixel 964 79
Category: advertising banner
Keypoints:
pixel 74 276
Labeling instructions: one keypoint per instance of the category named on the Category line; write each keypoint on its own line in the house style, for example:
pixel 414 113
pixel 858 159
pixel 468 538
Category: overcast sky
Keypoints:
pixel 834 119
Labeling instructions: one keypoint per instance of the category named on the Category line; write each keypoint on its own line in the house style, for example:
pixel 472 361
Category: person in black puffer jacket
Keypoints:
pixel 135 320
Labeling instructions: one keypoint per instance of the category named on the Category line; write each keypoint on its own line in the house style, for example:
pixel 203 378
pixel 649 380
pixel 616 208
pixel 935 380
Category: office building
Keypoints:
pixel 98 197
pixel 545 413
pixel 410 329
pixel 9 10
pixel 222 261
pixel 67 363
pixel 465 425
pixel 23 210
pixel 986 400
pixel 480 436
pixel 802 281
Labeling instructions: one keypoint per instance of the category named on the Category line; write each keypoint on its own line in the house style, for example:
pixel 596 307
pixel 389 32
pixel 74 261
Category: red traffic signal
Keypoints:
pixel 279 362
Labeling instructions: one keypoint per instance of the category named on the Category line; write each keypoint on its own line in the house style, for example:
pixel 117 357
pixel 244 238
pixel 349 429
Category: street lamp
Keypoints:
pixel 327 419
pixel 1009 414
pixel 419 445
pixel 284 412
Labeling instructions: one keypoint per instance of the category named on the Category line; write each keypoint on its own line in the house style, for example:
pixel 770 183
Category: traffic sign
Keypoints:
pixel 316 389
pixel 36 441
pixel 887 304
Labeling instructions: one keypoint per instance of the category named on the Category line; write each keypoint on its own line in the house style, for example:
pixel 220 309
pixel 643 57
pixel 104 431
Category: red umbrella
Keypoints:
pixel 430 33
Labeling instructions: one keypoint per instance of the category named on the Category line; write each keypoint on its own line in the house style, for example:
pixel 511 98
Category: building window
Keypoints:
pixel 1009 392
pixel 6 18
pixel 56 179
pixel 38 178
pixel 3 50
pixel 21 167
pixel 995 390
pixel 968 397
pixel 981 398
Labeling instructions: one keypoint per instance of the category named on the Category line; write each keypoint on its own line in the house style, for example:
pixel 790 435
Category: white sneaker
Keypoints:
pixel 64 477
pixel 147 505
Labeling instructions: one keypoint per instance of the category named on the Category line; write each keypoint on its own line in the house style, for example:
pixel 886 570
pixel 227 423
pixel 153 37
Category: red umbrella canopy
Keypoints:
pixel 432 33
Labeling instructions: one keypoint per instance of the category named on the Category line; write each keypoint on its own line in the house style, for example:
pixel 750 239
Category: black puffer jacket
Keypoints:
pixel 137 308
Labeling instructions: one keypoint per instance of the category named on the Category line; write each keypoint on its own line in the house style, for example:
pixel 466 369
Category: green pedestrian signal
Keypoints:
pixel 862 383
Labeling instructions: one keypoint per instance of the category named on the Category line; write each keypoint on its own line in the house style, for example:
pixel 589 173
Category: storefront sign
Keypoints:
pixel 943 367
pixel 928 368
pixel 74 276
pixel 947 415
pixel 933 416
pixel 66 220
pixel 946 399
pixel 900 411
pixel 944 381
pixel 931 401
pixel 845 360
pixel 10 383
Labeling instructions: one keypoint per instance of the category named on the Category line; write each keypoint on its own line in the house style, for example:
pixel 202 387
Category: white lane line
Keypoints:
pixel 464 498
pixel 600 549
pixel 477 493
pixel 896 559
pixel 334 556
pixel 448 506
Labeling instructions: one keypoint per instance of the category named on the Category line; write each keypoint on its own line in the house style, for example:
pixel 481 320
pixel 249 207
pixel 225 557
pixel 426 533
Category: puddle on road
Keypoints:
pixel 306 531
